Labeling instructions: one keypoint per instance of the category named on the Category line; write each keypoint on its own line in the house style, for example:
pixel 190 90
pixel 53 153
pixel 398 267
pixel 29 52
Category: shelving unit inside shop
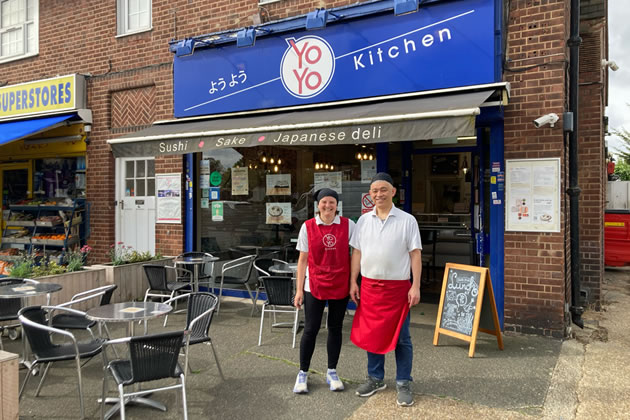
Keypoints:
pixel 45 229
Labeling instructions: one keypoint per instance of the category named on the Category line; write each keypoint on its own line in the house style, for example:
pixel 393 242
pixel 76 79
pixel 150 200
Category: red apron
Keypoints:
pixel 382 310
pixel 328 259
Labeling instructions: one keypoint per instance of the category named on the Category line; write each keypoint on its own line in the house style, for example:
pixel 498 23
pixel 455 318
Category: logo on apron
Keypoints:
pixel 329 240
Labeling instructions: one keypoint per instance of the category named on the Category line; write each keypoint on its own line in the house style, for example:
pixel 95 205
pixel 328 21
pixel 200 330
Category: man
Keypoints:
pixel 387 248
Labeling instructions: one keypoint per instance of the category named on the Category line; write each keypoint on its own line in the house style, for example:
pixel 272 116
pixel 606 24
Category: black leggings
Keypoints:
pixel 313 310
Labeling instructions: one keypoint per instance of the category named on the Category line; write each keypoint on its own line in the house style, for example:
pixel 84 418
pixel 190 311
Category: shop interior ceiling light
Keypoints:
pixel 402 7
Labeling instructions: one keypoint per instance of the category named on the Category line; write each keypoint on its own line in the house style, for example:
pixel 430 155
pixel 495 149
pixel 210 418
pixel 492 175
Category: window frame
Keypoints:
pixel 23 29
pixel 122 16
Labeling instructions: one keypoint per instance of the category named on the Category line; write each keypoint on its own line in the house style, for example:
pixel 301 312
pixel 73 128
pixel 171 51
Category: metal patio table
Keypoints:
pixel 130 312
pixel 196 262
pixel 24 291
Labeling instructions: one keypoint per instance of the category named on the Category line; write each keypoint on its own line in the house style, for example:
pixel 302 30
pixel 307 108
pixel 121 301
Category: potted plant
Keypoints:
pixel 72 275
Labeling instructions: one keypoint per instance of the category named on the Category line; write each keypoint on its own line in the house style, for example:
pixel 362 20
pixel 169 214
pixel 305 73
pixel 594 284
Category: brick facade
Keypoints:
pixel 593 101
pixel 536 57
pixel 130 86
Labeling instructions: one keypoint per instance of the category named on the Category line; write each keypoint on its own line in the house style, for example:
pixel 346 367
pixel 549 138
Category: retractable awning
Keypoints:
pixel 13 130
pixel 16 130
pixel 419 118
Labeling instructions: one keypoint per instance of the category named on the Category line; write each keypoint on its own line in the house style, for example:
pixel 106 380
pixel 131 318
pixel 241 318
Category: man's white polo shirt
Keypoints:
pixel 385 244
pixel 302 244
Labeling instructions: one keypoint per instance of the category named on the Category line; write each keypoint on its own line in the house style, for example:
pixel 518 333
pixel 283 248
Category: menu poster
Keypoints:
pixel 240 182
pixel 368 170
pixel 279 184
pixel 532 195
pixel 278 213
pixel 169 203
pixel 330 180
pixel 204 173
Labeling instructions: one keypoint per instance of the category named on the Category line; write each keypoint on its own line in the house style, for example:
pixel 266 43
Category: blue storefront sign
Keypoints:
pixel 443 45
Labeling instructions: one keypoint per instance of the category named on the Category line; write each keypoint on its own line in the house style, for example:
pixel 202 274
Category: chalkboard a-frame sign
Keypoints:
pixel 467 305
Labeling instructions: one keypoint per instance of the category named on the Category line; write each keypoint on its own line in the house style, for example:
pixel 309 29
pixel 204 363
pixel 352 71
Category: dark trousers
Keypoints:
pixel 313 311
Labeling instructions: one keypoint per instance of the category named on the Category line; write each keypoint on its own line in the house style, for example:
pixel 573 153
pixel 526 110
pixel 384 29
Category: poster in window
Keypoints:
pixel 240 182
pixel 217 211
pixel 204 173
pixel 368 170
pixel 169 203
pixel 278 184
pixel 278 213
pixel 330 180
pixel 532 202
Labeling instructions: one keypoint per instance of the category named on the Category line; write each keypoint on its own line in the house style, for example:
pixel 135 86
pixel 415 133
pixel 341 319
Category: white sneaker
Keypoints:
pixel 333 380
pixel 301 386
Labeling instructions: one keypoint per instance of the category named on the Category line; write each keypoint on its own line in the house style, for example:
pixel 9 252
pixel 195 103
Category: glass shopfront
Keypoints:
pixel 267 205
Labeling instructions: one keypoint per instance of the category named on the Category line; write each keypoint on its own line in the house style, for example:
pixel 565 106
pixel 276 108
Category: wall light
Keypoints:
pixel 246 37
pixel 402 7
pixel 316 19
pixel 186 46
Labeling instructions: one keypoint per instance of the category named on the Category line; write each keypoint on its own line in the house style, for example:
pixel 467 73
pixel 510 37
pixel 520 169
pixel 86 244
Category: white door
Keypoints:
pixel 135 197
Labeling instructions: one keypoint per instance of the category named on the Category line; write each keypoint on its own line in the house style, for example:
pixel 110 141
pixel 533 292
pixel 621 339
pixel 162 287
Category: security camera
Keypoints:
pixel 610 63
pixel 550 119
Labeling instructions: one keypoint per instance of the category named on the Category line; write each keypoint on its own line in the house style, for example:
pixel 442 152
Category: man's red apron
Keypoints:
pixel 382 310
pixel 328 259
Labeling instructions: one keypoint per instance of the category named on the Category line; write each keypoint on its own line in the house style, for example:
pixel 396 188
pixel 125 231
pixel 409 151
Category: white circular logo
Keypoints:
pixel 307 66
pixel 329 240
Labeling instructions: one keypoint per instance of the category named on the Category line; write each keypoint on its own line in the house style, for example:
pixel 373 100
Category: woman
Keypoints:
pixel 323 276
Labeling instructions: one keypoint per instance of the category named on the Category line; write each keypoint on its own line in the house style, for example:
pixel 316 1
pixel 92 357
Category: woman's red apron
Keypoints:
pixel 328 259
pixel 382 310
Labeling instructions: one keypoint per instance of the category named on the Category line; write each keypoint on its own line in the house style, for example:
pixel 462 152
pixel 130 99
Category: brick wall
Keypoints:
pixel 592 174
pixel 535 273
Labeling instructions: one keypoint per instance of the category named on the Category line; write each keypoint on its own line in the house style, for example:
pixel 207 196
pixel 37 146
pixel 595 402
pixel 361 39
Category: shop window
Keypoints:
pixel 133 16
pixel 140 178
pixel 265 193
pixel 59 178
pixel 18 29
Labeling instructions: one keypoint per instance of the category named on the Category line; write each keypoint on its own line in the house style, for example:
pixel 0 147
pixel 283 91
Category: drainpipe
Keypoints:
pixel 574 190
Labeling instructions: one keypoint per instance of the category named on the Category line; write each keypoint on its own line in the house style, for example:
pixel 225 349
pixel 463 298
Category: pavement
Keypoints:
pixel 585 377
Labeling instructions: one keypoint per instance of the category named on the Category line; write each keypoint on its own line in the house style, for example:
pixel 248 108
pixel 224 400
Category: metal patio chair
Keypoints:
pixel 199 315
pixel 237 272
pixel 261 265
pixel 151 357
pixel 280 296
pixel 38 333
pixel 74 321
pixel 159 286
